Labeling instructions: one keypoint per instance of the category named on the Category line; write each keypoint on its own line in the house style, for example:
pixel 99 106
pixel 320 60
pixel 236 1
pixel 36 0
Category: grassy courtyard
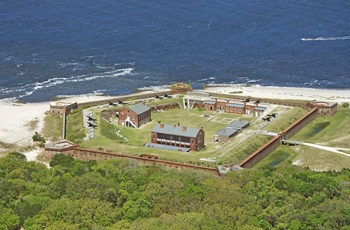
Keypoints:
pixel 329 131
pixel 132 140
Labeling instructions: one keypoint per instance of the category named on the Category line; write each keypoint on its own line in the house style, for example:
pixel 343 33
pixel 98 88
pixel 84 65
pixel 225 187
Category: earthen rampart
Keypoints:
pixel 88 154
pixel 299 124
pixel 136 96
pixel 261 100
pixel 270 146
pixel 262 152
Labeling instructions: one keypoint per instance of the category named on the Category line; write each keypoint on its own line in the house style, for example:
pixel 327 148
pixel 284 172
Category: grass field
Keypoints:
pixel 232 152
pixel 331 131
pixel 286 116
pixel 52 128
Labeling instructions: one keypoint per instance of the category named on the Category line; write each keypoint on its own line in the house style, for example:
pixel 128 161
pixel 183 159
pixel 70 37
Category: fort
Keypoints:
pixel 68 148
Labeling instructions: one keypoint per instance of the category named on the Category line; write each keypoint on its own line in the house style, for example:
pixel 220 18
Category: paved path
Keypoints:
pixel 330 149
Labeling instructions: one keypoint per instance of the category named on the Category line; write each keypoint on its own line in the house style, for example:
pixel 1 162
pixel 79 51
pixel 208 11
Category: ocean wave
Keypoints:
pixel 154 88
pixel 325 38
pixel 29 89
pixel 254 80
pixel 94 93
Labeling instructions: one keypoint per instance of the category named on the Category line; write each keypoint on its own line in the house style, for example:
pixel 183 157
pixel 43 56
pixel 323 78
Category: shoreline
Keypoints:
pixel 286 93
pixel 19 121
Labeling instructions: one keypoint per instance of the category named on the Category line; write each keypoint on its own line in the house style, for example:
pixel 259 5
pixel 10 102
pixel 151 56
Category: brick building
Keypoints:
pixel 234 107
pixel 324 108
pixel 62 107
pixel 176 135
pixel 180 88
pixel 135 115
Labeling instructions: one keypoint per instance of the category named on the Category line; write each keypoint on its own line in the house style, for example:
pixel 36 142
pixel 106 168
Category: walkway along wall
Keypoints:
pixel 270 146
pixel 88 154
pixel 262 100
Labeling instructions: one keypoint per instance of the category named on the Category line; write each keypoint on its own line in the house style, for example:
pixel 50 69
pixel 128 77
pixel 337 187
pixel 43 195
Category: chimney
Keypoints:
pixel 227 101
pixel 161 125
pixel 184 128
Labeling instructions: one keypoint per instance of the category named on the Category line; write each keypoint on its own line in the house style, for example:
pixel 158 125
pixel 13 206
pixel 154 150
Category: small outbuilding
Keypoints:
pixel 224 135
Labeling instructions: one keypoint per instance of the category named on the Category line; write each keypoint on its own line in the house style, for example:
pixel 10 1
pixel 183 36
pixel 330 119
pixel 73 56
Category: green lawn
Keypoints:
pixel 285 117
pixel 52 128
pixel 321 129
pixel 331 131
pixel 106 138
pixel 328 131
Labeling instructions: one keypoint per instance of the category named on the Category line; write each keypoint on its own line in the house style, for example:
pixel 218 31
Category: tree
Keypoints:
pixel 67 162
pixel 8 219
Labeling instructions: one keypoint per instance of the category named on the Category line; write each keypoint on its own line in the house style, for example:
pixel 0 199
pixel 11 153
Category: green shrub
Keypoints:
pixel 38 137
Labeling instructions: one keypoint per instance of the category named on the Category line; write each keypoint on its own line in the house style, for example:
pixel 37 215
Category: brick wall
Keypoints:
pixel 88 154
pixel 270 146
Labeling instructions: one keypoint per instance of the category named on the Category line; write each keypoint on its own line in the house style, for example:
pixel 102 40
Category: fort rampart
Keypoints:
pixel 136 96
pixel 299 124
pixel 270 146
pixel 249 162
pixel 262 152
pixel 262 100
pixel 88 154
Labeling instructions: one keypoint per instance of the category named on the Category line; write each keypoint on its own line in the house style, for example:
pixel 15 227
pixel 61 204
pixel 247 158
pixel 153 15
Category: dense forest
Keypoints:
pixel 119 194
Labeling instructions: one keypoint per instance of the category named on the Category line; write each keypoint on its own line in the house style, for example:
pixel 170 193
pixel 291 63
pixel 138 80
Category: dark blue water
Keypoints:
pixel 72 47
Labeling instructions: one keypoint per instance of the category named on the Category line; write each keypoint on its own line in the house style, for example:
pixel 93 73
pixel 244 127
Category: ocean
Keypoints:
pixel 76 47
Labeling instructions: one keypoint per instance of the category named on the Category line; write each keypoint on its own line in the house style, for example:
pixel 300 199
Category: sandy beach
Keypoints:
pixel 19 122
pixel 329 95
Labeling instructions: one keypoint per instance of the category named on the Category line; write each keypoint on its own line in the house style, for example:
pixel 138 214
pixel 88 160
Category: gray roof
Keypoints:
pixel 238 124
pixel 175 130
pixel 235 105
pixel 139 108
pixel 226 132
pixel 167 147
pixel 260 108
pixel 210 102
